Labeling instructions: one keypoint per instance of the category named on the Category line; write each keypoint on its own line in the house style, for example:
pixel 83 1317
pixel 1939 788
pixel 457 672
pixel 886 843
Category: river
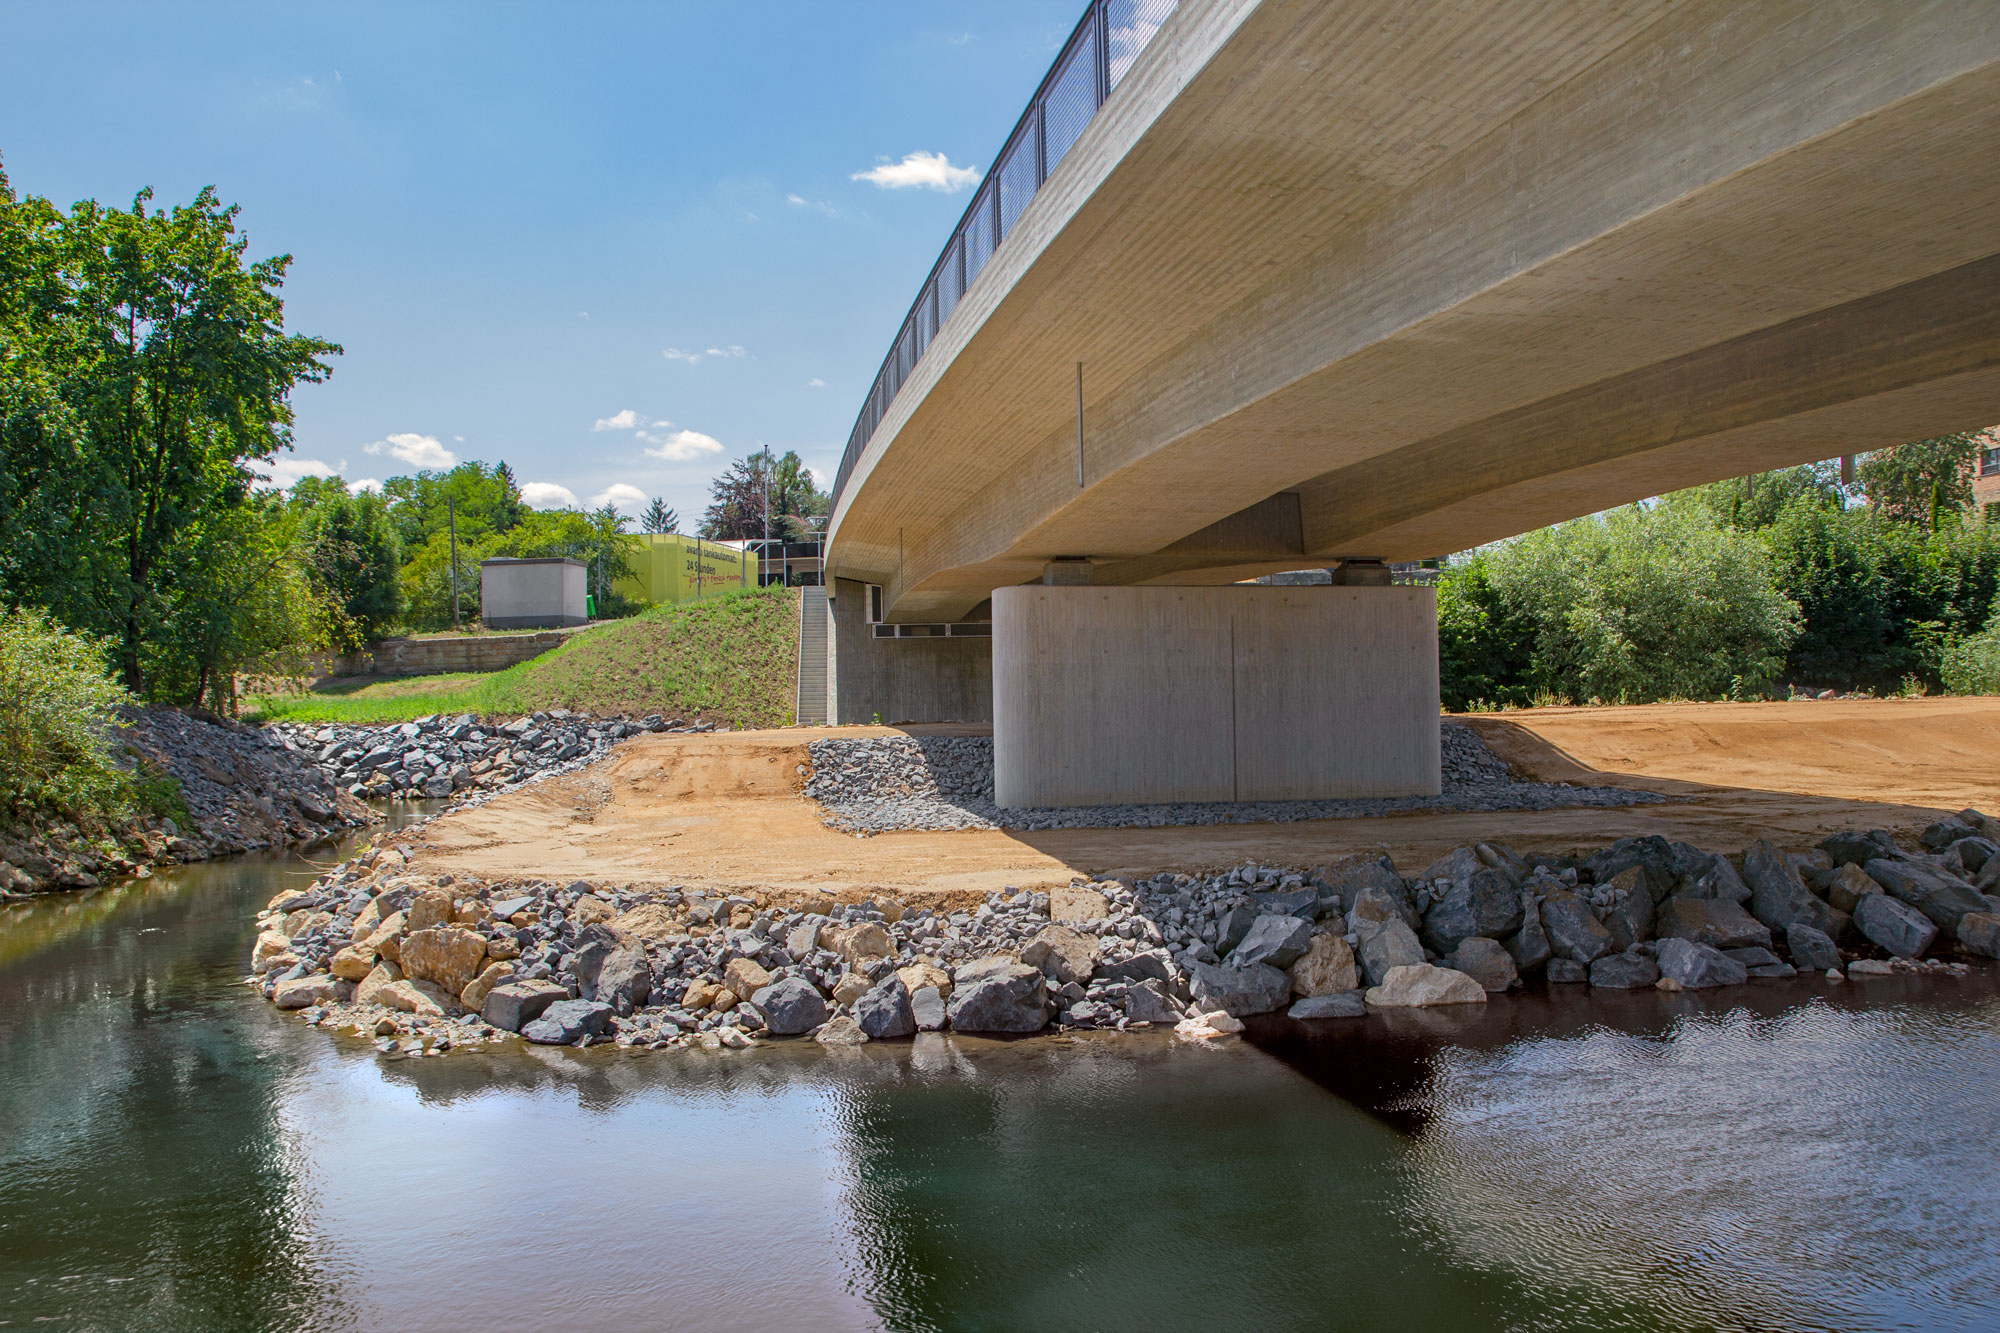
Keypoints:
pixel 174 1154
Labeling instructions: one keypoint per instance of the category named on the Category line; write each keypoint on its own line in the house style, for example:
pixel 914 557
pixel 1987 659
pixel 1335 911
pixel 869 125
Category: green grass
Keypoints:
pixel 731 660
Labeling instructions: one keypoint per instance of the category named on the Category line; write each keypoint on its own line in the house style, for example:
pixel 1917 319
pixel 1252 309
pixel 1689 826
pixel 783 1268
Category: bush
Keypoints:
pixel 56 703
pixel 1644 604
pixel 1484 648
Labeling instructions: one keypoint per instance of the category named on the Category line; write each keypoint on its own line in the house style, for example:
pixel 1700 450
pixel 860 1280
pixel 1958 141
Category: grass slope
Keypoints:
pixel 731 660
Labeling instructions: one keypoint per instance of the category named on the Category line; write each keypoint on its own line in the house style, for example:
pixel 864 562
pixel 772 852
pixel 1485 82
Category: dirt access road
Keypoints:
pixel 723 811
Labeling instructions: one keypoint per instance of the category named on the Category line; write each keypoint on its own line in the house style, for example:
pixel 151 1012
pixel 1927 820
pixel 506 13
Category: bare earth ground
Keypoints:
pixel 724 812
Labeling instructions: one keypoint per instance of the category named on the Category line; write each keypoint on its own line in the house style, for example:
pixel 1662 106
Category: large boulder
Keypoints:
pixel 1896 926
pixel 1276 940
pixel 1256 989
pixel 924 973
pixel 1529 946
pixel 1346 883
pixel 1233 926
pixel 1383 945
pixel 1811 950
pixel 1063 954
pixel 1716 922
pixel 473 997
pixel 927 1007
pixel 1486 962
pixel 999 995
pixel 745 976
pixel 790 1006
pixel 382 975
pixel 1630 916
pixel 1624 971
pixel 1484 903
pixel 1942 897
pixel 1347 1004
pixel 1847 886
pixel 568 1021
pixel 430 908
pixel 1573 931
pixel 1420 984
pixel 1293 902
pixel 1377 903
pixel 449 955
pixel 302 992
pixel 1656 860
pixel 426 999
pixel 1456 866
pixel 1152 1001
pixel 1326 968
pixel 1980 933
pixel 1698 966
pixel 352 963
pixel 1779 896
pixel 861 944
pixel 624 980
pixel 1860 846
pixel 885 1010
pixel 1714 877
pixel 512 1005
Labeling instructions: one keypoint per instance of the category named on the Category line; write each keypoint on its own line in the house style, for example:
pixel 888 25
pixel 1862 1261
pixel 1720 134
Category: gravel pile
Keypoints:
pixel 242 792
pixel 425 965
pixel 881 784
pixel 438 756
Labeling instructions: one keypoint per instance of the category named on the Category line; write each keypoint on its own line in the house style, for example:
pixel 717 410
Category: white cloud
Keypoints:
pixel 284 470
pixel 816 205
pixel 625 420
pixel 459 439
pixel 815 383
pixel 415 450
pixel 676 354
pixel 548 495
pixel 929 171
pixel 365 484
pixel 795 201
pixel 820 479
pixel 625 498
pixel 682 446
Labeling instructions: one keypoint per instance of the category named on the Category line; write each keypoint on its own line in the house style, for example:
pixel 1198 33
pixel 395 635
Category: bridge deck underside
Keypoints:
pixel 1378 280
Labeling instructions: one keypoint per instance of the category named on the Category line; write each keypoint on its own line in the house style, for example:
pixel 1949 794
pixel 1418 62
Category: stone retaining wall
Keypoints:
pixel 433 657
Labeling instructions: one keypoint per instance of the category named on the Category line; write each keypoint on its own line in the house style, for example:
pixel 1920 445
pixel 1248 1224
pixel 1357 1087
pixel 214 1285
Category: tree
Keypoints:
pixel 148 366
pixel 352 558
pixel 486 499
pixel 1755 502
pixel 761 495
pixel 1925 482
pixel 1642 604
pixel 659 518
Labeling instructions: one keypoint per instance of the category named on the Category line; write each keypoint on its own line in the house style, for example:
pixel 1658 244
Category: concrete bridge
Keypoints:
pixel 1336 282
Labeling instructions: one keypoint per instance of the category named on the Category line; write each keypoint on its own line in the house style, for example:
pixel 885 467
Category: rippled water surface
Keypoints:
pixel 175 1155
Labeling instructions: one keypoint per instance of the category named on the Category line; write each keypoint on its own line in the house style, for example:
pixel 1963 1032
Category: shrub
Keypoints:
pixel 56 703
pixel 1643 604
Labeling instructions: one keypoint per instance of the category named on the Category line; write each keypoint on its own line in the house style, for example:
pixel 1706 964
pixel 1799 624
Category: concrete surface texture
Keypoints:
pixel 898 680
pixel 1140 695
pixel 723 811
pixel 532 594
pixel 1388 280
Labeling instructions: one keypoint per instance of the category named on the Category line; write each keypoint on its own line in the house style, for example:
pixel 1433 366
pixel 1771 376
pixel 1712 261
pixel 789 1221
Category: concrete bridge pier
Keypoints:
pixel 1123 695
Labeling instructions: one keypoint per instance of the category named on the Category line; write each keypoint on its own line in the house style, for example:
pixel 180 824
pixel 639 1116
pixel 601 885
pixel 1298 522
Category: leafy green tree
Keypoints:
pixel 352 557
pixel 145 363
pixel 486 499
pixel 762 494
pixel 1643 604
pixel 659 518
pixel 1927 482
pixel 1484 644
pixel 1755 502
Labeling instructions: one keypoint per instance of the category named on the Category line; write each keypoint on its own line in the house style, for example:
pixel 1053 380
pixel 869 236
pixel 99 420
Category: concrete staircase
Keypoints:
pixel 811 710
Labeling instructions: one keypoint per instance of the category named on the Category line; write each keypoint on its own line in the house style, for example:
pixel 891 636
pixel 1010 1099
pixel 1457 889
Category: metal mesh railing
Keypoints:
pixel 1109 38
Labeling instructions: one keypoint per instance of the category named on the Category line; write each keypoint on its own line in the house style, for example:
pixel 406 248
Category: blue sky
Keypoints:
pixel 615 245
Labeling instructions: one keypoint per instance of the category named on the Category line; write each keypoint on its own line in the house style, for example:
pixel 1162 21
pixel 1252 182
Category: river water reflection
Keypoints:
pixel 173 1154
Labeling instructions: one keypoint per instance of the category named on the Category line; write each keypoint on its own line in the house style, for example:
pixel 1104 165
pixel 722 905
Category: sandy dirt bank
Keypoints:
pixel 723 811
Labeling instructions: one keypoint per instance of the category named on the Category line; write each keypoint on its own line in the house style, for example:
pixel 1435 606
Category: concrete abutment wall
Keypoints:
pixel 1233 693
pixel 904 680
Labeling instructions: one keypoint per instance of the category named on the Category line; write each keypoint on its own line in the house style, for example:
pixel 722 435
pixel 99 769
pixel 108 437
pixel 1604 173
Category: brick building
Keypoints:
pixel 1986 474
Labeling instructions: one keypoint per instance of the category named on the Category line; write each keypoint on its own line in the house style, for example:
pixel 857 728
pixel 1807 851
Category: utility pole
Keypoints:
pixel 451 509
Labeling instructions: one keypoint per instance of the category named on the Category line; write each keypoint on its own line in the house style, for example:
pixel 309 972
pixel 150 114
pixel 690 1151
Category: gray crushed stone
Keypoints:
pixel 890 783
